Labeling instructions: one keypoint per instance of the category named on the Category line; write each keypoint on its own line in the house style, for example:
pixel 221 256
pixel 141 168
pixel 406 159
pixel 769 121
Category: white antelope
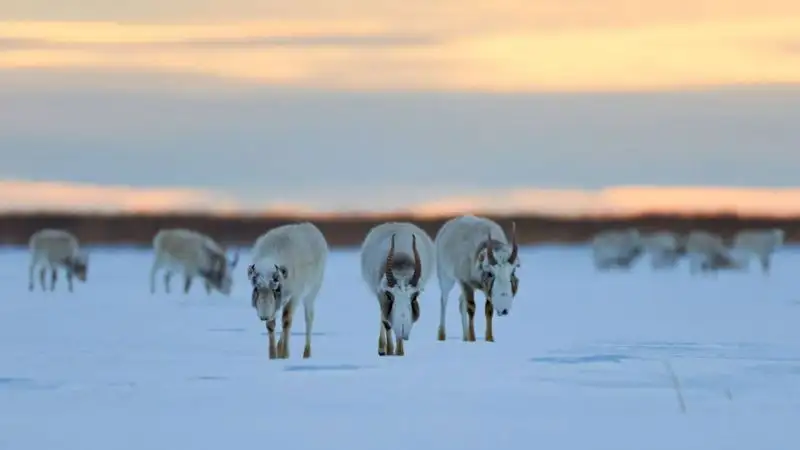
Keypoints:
pixel 616 248
pixel 474 252
pixel 665 248
pixel 761 243
pixel 708 253
pixel 53 249
pixel 193 254
pixel 397 261
pixel 287 270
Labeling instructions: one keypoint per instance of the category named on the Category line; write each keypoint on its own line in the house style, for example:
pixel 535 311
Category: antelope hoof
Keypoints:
pixel 273 352
pixel 400 348
pixel 307 352
pixel 442 336
pixel 489 338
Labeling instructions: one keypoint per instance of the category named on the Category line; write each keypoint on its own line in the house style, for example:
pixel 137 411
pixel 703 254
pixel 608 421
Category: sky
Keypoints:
pixel 431 107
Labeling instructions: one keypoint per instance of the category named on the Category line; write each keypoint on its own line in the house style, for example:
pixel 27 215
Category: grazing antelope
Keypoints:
pixel 761 243
pixel 194 254
pixel 474 252
pixel 616 248
pixel 708 253
pixel 287 270
pixel 665 247
pixel 53 249
pixel 397 261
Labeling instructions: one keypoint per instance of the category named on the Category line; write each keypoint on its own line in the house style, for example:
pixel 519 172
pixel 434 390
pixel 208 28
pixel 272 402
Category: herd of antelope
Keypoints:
pixel 397 262
pixel 288 264
pixel 707 252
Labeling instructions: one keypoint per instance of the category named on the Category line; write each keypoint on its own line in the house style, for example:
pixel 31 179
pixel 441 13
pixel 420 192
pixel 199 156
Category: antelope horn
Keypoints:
pixel 490 251
pixel 390 279
pixel 514 246
pixel 417 262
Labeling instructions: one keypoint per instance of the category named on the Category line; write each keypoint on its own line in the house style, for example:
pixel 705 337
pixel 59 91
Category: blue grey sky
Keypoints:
pixel 379 109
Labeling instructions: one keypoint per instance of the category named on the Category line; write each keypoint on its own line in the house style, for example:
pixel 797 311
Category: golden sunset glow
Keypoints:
pixel 542 48
pixel 35 196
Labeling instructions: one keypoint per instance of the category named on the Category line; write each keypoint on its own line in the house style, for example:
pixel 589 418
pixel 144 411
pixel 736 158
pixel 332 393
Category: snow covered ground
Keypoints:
pixel 582 362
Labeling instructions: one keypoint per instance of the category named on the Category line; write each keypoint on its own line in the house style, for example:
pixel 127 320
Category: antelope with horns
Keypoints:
pixel 287 270
pixel 397 260
pixel 474 252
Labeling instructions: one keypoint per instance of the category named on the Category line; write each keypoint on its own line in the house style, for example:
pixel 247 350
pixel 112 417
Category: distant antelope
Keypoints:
pixel 616 248
pixel 665 247
pixel 53 249
pixel 708 253
pixel 762 243
pixel 194 254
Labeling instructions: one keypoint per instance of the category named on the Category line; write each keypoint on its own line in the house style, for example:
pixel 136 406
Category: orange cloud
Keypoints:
pixel 53 196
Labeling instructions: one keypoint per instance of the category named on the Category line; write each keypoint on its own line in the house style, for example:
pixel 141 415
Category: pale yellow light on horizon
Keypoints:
pixel 132 33
pixel 18 195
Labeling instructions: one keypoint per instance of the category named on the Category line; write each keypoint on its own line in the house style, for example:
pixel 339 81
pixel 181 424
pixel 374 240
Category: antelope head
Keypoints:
pixel 497 266
pixel 400 293
pixel 78 265
pixel 218 272
pixel 267 289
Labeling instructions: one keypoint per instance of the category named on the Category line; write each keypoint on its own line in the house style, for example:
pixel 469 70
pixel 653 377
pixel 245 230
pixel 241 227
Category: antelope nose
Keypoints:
pixel 502 312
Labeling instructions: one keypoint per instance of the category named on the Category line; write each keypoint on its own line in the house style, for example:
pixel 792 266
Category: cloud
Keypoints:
pixel 451 15
pixel 34 196
pixel 792 47
pixel 376 53
pixel 223 43
pixel 16 195
pixel 623 201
